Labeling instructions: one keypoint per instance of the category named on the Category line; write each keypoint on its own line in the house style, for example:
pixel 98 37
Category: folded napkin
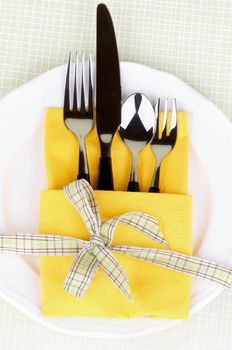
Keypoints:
pixel 156 291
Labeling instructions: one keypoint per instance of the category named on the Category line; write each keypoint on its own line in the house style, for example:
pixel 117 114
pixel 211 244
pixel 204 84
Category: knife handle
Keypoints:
pixel 105 179
pixel 84 176
pixel 133 186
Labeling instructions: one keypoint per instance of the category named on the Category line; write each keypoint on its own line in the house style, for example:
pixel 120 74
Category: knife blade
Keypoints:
pixel 108 93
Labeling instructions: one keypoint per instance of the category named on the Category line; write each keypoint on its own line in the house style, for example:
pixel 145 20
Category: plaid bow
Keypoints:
pixel 98 250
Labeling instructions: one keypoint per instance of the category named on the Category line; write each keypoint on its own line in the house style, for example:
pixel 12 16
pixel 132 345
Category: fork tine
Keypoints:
pixel 75 85
pixel 159 128
pixel 156 121
pixel 157 108
pixel 82 70
pixel 66 93
pixel 90 87
pixel 174 115
pixel 165 118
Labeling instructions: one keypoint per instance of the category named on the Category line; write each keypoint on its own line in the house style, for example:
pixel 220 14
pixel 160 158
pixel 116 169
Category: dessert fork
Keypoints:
pixel 164 140
pixel 78 117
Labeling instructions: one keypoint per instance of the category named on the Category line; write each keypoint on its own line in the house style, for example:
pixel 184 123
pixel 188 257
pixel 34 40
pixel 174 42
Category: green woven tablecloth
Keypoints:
pixel 190 39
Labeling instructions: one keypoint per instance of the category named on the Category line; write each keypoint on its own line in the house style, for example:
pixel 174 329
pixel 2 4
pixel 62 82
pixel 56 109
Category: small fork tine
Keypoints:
pixel 174 115
pixel 156 121
pixel 66 94
pixel 165 119
pixel 157 109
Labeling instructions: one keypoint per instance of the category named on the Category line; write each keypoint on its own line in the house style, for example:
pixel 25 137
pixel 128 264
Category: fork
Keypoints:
pixel 78 117
pixel 135 135
pixel 164 140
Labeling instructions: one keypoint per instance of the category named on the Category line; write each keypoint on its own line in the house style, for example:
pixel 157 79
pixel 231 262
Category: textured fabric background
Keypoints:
pixel 190 39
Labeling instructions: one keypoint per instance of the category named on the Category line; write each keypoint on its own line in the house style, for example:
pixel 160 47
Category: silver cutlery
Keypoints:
pixel 135 135
pixel 164 139
pixel 78 105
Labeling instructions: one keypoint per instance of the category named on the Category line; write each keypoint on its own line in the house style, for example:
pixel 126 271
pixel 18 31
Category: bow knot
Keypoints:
pixel 96 241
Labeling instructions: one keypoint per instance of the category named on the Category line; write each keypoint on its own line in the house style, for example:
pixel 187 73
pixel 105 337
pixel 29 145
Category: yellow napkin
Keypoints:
pixel 158 292
pixel 61 156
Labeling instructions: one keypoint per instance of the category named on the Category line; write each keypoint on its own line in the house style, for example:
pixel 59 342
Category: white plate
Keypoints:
pixel 23 175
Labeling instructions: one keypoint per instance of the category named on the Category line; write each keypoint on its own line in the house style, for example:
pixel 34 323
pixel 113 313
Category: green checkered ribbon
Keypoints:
pixel 89 255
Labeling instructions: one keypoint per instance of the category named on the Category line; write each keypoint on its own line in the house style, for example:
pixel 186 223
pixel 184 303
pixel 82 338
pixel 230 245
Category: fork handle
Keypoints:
pixel 84 176
pixel 154 189
pixel 155 181
pixel 133 186
pixel 105 179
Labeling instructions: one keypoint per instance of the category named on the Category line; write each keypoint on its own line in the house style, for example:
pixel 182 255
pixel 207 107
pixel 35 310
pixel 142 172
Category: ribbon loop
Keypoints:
pixel 81 195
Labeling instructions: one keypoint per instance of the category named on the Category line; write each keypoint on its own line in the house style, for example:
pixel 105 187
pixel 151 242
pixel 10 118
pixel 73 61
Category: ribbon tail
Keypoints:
pixel 185 264
pixel 113 270
pixel 81 273
pixel 40 244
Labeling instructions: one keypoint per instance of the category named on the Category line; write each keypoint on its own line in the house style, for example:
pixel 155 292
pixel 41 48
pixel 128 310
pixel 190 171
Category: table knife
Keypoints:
pixel 108 93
